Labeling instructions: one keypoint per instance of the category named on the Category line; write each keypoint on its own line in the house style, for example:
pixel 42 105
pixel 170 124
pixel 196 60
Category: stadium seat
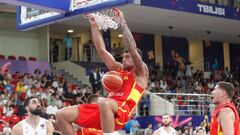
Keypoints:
pixel 14 119
pixel 5 118
pixel 2 57
pixel 11 57
pixel 32 59
pixel 67 103
pixel 2 125
pixel 22 58
pixel 1 110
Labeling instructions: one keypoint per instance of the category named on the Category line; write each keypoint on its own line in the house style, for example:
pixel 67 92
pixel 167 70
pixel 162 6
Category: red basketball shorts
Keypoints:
pixel 89 117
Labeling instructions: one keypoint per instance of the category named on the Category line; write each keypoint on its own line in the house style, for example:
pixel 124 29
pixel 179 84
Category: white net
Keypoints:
pixel 106 19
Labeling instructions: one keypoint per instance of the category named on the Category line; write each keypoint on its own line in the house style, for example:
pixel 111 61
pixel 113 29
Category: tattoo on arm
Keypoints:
pixel 128 39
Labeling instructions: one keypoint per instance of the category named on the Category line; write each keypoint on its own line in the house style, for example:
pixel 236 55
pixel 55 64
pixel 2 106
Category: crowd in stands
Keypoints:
pixel 170 79
pixel 54 92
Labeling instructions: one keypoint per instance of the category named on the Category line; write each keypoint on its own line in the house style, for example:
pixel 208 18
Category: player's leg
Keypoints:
pixel 107 108
pixel 65 117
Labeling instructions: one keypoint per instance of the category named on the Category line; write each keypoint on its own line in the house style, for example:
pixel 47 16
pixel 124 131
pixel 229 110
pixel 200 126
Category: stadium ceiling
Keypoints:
pixel 157 21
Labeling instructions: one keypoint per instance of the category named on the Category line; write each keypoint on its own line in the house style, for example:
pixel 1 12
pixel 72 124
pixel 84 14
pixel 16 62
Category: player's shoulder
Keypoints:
pixel 18 128
pixel 226 110
pixel 157 131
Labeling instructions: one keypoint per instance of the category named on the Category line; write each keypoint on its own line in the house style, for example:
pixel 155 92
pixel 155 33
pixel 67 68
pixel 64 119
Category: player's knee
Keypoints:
pixel 69 114
pixel 104 104
pixel 60 116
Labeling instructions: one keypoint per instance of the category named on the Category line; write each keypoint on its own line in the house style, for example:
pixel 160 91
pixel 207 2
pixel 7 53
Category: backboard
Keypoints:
pixel 29 18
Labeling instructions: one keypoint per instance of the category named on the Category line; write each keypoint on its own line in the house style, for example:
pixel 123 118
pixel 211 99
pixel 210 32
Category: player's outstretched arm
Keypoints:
pixel 107 57
pixel 17 130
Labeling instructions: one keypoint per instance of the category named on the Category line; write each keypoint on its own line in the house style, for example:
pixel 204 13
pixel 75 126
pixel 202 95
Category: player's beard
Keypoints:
pixel 166 124
pixel 36 111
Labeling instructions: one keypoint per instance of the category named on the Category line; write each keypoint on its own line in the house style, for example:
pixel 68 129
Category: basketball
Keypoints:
pixel 112 81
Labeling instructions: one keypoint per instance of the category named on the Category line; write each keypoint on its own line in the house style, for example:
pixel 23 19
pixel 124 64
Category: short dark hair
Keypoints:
pixel 227 87
pixel 27 101
pixel 92 98
pixel 166 114
pixel 138 50
pixel 200 128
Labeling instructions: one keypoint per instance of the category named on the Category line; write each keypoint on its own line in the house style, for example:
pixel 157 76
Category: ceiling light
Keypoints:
pixel 120 35
pixel 70 31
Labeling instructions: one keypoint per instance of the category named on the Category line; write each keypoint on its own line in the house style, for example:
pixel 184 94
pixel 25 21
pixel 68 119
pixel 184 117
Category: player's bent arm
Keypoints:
pixel 17 130
pixel 227 118
pixel 130 44
pixel 99 44
pixel 50 128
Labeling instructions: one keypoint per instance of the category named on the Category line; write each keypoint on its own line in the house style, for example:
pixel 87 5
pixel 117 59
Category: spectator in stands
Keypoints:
pixel 148 130
pixel 8 109
pixel 50 99
pixel 20 87
pixel 6 129
pixel 55 83
pixel 68 47
pixel 59 101
pixel 189 70
pixel 43 82
pixel 186 131
pixel 134 130
pixel 37 74
pixel 47 75
pixel 52 109
pixel 163 85
pixel 8 87
pixel 190 128
pixel 7 75
pixel 200 131
pixel 144 105
pixel 95 80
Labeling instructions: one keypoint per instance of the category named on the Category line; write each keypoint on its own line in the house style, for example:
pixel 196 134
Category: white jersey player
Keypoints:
pixel 33 124
pixel 166 128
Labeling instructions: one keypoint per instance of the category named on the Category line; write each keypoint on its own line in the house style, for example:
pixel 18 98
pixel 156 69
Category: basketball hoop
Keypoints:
pixel 105 20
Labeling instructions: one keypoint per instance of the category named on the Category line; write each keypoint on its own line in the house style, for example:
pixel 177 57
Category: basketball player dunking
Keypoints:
pixel 225 117
pixel 112 113
pixel 33 124
pixel 166 128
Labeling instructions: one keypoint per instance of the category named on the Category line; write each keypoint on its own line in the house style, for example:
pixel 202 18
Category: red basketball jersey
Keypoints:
pixel 129 95
pixel 216 128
